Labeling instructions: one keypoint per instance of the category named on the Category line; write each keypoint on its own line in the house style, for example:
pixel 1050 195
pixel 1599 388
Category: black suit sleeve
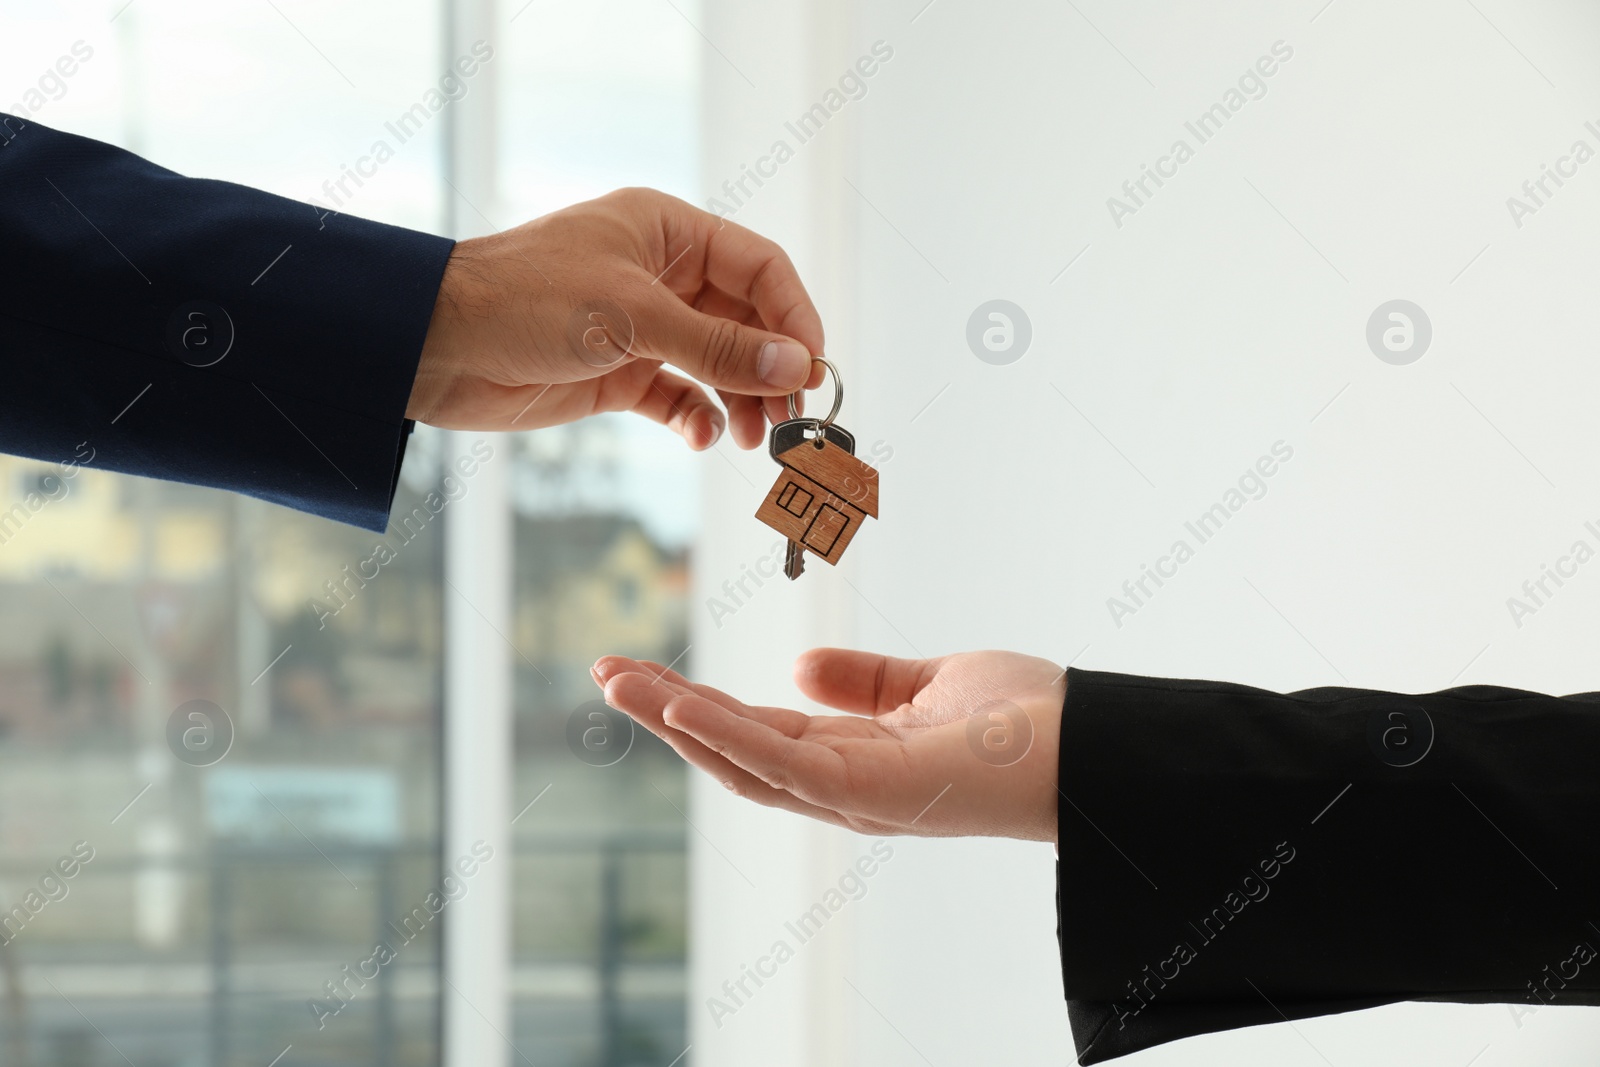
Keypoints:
pixel 204 332
pixel 1230 856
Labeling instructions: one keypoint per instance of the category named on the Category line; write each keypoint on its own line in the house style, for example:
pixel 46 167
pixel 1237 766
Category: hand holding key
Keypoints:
pixel 577 312
pixel 955 746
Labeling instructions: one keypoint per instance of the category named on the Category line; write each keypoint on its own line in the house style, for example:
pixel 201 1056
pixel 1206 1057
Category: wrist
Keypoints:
pixel 1025 791
pixel 1046 798
pixel 438 366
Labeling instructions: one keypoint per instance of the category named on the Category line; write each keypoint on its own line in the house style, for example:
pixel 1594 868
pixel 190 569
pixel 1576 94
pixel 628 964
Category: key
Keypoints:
pixel 822 495
pixel 794 433
pixel 785 435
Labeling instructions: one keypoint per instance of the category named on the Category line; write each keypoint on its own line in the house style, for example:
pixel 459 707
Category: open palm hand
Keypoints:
pixel 958 745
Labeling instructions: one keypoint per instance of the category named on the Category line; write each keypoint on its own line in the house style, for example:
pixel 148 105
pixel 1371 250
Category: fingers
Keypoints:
pixel 683 407
pixel 748 415
pixel 720 352
pixel 643 698
pixel 714 301
pixel 723 350
pixel 814 773
pixel 784 720
pixel 861 682
pixel 750 267
pixel 746 420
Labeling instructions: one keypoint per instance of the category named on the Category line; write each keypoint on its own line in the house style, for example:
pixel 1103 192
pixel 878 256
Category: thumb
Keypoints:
pixel 723 353
pixel 864 683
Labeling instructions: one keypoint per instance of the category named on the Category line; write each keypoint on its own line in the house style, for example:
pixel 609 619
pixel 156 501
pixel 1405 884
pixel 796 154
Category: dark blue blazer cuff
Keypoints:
pixel 205 332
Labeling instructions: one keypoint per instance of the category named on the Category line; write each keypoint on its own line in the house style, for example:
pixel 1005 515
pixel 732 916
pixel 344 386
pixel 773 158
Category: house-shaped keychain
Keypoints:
pixel 821 498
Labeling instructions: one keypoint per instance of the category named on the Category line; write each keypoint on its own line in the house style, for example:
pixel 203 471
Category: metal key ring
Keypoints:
pixel 838 397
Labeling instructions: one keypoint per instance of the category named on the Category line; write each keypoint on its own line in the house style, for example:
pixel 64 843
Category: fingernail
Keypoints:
pixel 786 364
pixel 597 674
pixel 717 426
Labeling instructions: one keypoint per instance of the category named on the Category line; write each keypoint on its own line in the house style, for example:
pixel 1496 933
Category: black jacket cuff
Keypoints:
pixel 1231 856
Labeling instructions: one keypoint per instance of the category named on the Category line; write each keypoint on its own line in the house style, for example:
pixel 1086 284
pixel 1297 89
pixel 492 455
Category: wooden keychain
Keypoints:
pixel 824 492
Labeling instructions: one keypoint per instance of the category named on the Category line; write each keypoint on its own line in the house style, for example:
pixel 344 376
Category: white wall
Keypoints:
pixel 1222 317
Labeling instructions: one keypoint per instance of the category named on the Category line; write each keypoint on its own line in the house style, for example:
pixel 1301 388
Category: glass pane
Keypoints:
pixel 169 896
pixel 218 776
pixel 598 96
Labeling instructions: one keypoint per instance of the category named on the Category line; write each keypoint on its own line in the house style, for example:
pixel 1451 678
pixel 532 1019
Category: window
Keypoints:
pixel 598 96
pixel 794 499
pixel 211 804
pixel 825 529
pixel 224 718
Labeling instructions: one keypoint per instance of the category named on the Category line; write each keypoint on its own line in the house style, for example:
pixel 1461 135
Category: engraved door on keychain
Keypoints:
pixel 823 493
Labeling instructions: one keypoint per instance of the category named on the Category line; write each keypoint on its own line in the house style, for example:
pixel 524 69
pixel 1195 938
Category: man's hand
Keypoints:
pixel 955 746
pixel 575 313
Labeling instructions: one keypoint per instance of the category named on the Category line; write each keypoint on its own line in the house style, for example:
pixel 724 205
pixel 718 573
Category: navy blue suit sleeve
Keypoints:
pixel 205 332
